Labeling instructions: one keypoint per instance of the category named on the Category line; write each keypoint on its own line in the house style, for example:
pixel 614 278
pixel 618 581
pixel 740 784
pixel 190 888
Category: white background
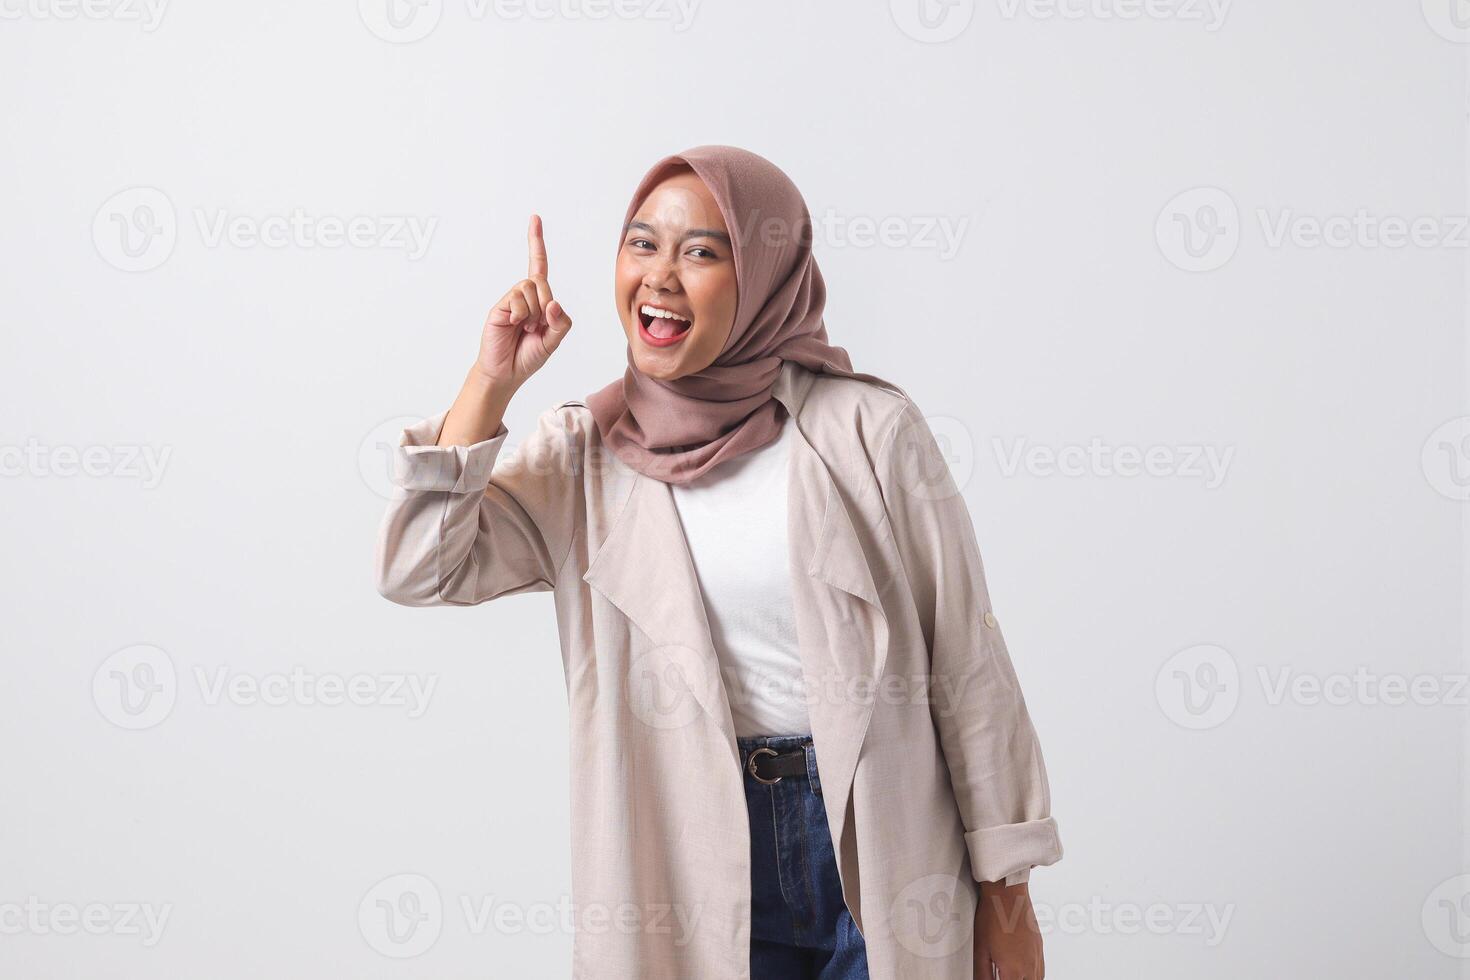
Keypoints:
pixel 1212 829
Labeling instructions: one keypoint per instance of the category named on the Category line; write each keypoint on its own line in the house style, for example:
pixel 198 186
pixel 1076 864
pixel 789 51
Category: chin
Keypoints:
pixel 656 368
pixel 664 367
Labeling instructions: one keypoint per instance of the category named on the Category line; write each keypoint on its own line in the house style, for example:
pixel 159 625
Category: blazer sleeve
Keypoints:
pixel 467 524
pixel 990 746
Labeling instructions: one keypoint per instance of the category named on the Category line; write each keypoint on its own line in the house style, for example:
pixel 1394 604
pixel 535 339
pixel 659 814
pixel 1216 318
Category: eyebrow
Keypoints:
pixel 691 233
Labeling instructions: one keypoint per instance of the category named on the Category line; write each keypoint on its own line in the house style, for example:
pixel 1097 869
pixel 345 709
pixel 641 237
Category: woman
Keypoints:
pixel 799 748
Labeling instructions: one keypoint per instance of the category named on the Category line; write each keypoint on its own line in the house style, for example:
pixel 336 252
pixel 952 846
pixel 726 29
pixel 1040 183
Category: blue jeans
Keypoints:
pixel 800 926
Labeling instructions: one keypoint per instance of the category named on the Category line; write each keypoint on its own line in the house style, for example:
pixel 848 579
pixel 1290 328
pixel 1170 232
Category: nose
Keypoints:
pixel 659 276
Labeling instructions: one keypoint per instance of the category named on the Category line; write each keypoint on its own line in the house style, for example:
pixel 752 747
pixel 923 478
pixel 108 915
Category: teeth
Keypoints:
pixel 665 314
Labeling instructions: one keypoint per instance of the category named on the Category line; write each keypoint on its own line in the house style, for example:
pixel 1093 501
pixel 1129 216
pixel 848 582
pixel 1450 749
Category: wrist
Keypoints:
pixel 1001 888
pixel 492 390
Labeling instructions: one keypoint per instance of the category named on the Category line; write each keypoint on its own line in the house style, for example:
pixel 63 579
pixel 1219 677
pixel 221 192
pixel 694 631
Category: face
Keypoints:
pixel 676 279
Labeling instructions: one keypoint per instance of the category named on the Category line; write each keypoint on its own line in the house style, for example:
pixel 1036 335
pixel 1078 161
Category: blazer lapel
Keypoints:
pixel 825 545
pixel 645 569
pixel 851 645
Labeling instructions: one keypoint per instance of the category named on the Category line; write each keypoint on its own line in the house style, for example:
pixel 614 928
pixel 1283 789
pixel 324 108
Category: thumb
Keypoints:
pixel 558 323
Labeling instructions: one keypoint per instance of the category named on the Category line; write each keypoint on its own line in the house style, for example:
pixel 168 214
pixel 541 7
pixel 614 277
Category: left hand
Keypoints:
pixel 1007 938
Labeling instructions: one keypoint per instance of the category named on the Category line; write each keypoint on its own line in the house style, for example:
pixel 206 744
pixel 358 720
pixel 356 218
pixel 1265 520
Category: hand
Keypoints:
pixel 526 325
pixel 1007 938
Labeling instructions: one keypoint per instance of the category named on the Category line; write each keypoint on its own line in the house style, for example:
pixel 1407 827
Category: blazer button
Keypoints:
pixel 990 619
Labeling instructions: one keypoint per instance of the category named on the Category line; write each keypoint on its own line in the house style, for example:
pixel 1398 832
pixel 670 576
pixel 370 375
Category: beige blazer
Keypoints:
pixel 932 775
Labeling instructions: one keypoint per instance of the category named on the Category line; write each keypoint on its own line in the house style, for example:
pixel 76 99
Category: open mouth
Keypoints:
pixel 660 326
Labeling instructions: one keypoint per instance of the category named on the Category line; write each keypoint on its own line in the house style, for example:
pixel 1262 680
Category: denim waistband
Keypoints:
pixel 781 743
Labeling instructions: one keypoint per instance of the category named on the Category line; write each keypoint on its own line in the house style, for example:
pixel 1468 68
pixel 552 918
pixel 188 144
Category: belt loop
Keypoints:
pixel 811 768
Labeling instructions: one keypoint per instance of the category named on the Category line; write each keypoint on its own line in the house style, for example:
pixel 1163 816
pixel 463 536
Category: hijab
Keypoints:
pixel 676 431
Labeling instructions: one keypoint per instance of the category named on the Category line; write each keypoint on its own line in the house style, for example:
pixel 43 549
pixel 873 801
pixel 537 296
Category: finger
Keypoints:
pixel 503 314
pixel 557 318
pixel 533 304
pixel 516 301
pixel 543 296
pixel 558 323
pixel 536 246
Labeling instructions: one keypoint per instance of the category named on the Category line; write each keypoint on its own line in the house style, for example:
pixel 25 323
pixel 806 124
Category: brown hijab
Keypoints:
pixel 678 430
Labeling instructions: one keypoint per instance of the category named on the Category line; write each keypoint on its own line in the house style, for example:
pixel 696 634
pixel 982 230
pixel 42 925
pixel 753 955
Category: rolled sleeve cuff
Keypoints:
pixel 1009 851
pixel 418 464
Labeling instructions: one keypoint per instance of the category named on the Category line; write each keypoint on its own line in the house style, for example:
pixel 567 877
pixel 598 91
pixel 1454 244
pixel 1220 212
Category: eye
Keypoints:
pixel 640 243
pixel 699 251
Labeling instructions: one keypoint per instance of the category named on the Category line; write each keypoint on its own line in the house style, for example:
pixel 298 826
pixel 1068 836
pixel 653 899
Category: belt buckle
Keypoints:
pixel 750 765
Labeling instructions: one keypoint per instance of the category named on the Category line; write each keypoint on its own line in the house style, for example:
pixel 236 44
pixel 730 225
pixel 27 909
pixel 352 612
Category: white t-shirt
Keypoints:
pixel 734 517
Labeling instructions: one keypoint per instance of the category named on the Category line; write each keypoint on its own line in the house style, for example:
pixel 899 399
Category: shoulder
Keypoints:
pixel 556 441
pixel 570 422
pixel 864 411
pixel 571 415
pixel 572 412
pixel 875 433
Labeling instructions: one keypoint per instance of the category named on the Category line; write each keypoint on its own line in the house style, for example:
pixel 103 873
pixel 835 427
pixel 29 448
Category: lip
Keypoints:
pixel 649 338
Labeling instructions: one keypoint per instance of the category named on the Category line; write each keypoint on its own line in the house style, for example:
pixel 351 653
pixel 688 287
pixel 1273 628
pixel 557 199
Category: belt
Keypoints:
pixel 769 766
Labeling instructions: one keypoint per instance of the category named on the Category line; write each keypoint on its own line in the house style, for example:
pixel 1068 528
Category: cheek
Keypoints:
pixel 713 297
pixel 626 276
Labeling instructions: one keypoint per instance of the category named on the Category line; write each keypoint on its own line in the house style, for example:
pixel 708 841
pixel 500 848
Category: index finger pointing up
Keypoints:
pixel 537 249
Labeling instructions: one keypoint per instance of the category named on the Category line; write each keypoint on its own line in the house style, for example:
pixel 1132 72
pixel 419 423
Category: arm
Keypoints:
pixel 990 746
pixel 466 525
pixel 463 525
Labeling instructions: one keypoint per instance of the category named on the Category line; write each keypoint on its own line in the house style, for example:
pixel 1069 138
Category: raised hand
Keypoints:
pixel 526 325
